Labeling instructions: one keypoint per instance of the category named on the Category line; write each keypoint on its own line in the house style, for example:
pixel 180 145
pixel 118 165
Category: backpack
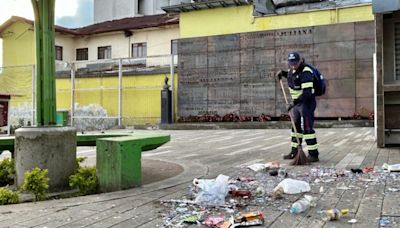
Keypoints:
pixel 319 83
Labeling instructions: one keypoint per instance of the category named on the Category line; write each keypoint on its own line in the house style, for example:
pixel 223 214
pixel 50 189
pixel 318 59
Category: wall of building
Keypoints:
pixel 141 100
pixel 105 10
pixel 18 45
pixel 231 20
pixel 67 43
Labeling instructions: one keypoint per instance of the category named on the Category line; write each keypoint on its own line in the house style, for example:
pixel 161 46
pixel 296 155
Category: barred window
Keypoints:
pixel 82 54
pixel 59 53
pixel 139 50
pixel 104 52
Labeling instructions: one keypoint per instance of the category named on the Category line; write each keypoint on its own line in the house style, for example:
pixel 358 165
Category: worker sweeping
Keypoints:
pixel 301 80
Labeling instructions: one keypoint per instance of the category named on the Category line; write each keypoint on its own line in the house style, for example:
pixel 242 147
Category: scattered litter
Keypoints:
pixel 368 169
pixel 303 204
pixel 384 221
pixel 257 167
pixel 333 214
pixel 252 192
pixel 391 168
pixel 214 221
pixel 212 191
pixel 249 219
pixel 352 221
pixel 291 186
pixel 356 170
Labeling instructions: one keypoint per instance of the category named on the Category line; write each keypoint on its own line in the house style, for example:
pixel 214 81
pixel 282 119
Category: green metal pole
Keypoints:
pixel 45 62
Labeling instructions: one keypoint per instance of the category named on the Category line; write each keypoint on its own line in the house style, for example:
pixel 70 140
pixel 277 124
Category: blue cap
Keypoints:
pixel 293 58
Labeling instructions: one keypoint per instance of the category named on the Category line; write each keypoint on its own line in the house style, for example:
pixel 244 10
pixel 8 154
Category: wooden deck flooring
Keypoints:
pixel 207 153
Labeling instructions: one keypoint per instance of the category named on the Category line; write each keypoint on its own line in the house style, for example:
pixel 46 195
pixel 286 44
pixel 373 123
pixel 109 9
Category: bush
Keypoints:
pixel 79 160
pixel 8 197
pixel 7 172
pixel 36 182
pixel 85 180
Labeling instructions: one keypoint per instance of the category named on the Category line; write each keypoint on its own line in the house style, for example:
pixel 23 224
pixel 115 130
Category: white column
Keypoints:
pixel 172 69
pixel 72 93
pixel 120 93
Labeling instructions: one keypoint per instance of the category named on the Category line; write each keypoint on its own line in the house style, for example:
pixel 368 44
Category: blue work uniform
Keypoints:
pixel 301 89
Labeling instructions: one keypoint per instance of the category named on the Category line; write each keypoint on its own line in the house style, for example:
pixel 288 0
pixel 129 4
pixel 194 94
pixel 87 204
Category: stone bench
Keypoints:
pixel 88 139
pixel 118 159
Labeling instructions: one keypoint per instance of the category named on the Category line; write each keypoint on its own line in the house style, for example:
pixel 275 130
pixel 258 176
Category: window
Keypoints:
pixel 82 54
pixel 59 53
pixel 139 50
pixel 397 50
pixel 104 52
pixel 174 47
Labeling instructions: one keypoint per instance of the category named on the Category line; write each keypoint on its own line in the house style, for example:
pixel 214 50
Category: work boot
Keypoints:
pixel 312 158
pixel 291 155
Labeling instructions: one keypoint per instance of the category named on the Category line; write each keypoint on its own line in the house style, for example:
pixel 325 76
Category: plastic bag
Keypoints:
pixel 212 191
pixel 291 186
pixel 391 168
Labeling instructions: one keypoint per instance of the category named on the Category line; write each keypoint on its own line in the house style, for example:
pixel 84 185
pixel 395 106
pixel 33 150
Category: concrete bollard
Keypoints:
pixel 52 148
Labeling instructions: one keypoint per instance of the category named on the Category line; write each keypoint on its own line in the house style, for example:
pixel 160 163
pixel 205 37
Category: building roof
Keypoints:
pixel 129 23
pixel 14 19
pixel 124 24
pixel 202 4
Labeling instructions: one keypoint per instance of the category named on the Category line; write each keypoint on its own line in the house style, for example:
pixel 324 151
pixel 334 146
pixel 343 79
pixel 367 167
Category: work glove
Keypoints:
pixel 281 74
pixel 289 107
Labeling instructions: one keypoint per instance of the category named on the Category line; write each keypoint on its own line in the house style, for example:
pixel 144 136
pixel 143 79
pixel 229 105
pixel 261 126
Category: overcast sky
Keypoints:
pixel 68 13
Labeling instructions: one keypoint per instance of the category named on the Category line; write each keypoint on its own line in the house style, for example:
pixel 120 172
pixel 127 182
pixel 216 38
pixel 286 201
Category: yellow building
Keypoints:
pixel 143 44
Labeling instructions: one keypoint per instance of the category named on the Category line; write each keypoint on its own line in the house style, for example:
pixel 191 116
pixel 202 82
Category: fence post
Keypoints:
pixel 120 93
pixel 33 123
pixel 172 88
pixel 72 66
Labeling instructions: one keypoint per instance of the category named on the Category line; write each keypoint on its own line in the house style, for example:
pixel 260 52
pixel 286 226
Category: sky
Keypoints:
pixel 68 13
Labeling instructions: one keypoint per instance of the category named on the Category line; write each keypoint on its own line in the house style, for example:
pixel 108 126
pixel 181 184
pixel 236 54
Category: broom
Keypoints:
pixel 300 158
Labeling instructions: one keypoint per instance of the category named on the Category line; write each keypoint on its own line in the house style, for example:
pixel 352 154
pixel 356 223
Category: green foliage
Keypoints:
pixel 8 197
pixel 36 182
pixel 7 172
pixel 85 180
pixel 80 160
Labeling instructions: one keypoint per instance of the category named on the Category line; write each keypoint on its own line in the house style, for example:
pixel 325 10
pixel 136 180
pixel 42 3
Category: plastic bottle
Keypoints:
pixel 333 214
pixel 302 204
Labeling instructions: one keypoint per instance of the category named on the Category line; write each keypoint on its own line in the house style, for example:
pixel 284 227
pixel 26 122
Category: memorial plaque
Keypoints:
pixel 365 87
pixel 295 36
pixel 337 107
pixel 257 98
pixel 259 40
pixel 364 106
pixel 364 68
pixel 192 100
pixel 224 43
pixel 343 88
pixel 334 33
pixel 364 31
pixel 223 75
pixel 191 61
pixel 364 48
pixel 192 45
pixel 236 73
pixel 224 99
pixel 335 51
pixel 340 69
pixel 224 59
pixel 193 77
